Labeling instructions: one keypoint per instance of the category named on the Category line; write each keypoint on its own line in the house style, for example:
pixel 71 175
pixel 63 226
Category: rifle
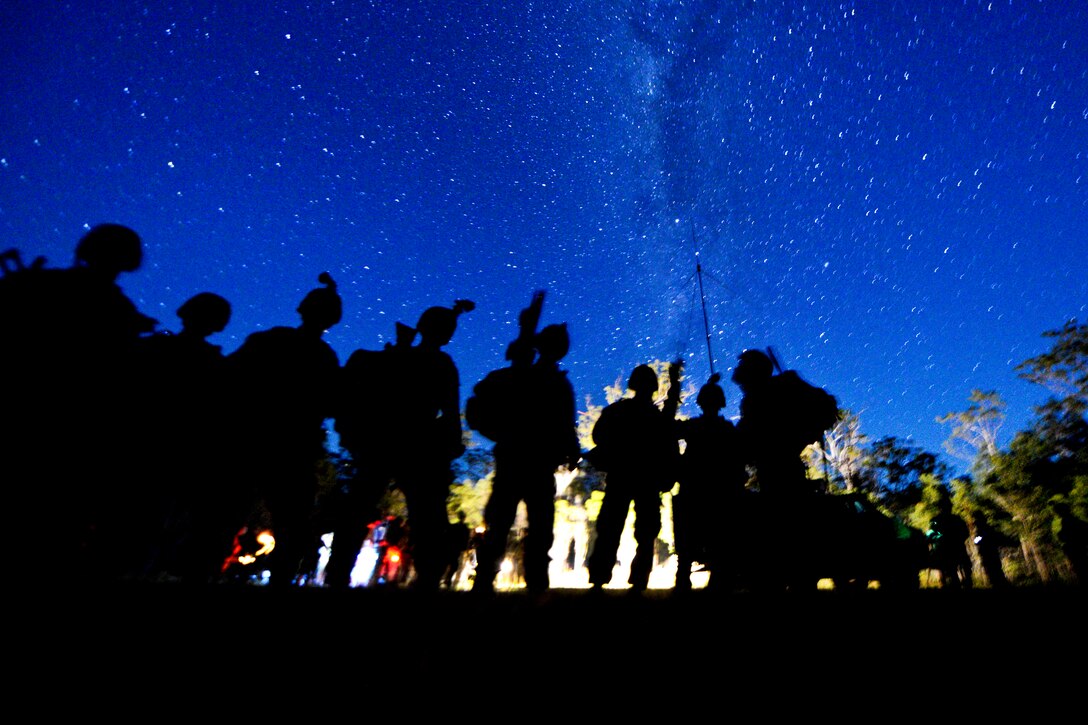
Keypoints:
pixel 774 360
pixel 520 351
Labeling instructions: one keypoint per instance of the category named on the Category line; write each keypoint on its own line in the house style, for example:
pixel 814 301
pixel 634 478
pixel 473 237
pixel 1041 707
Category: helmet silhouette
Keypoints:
pixel 643 379
pixel 322 306
pixel 437 324
pixel 752 366
pixel 553 342
pixel 110 248
pixel 205 313
pixel 711 397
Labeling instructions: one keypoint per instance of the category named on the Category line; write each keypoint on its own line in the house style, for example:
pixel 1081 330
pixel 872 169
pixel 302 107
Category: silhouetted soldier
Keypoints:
pixel 197 505
pixel 706 509
pixel 636 447
pixel 433 403
pixel 285 376
pixel 68 334
pixel 764 428
pixel 535 432
pixel 375 429
pixel 410 440
pixel 948 546
pixel 774 431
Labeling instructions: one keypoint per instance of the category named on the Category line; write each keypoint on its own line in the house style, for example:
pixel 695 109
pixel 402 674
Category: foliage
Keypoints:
pixel 1064 368
pixel 932 492
pixel 892 471
pixel 469 497
pixel 1037 481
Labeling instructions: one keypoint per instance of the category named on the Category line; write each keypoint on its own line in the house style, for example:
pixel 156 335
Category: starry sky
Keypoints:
pixel 892 195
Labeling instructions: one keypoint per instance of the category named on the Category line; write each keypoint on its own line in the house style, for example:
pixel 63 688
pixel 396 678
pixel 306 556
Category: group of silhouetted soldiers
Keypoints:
pixel 130 452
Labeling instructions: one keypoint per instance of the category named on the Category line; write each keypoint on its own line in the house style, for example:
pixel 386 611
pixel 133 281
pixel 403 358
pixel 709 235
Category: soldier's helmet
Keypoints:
pixel 322 307
pixel 643 379
pixel 110 248
pixel 711 397
pixel 752 367
pixel 205 313
pixel 553 342
pixel 437 324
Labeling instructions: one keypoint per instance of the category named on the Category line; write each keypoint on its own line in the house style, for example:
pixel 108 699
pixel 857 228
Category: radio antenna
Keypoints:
pixel 702 297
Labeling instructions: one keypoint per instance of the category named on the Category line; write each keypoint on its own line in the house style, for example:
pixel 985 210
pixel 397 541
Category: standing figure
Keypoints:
pixel 765 422
pixel 188 520
pixel 399 416
pixel 636 446
pixel 532 420
pixel 376 431
pixel 432 407
pixel 285 378
pixel 707 508
pixel 68 335
pixel 780 415
pixel 948 535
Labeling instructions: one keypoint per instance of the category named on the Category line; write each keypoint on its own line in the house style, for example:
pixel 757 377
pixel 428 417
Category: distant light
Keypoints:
pixel 267 542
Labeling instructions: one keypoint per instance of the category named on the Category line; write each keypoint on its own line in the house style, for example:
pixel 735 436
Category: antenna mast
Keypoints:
pixel 702 296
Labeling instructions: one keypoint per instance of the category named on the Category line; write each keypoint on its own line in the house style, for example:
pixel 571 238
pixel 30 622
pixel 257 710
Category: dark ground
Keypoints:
pixel 780 650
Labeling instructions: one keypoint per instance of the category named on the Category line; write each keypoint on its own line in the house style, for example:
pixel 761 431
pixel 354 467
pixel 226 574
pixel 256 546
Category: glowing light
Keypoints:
pixel 267 542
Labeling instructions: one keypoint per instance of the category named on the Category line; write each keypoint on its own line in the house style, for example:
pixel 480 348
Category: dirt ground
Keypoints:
pixel 133 641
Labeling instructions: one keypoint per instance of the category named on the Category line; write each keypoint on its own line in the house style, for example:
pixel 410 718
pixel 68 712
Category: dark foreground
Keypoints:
pixel 299 643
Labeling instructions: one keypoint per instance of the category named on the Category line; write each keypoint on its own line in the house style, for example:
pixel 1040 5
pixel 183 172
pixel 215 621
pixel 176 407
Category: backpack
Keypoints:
pixel 814 410
pixel 489 410
pixel 369 383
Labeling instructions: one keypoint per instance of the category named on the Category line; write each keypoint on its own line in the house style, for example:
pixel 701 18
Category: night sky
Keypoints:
pixel 893 195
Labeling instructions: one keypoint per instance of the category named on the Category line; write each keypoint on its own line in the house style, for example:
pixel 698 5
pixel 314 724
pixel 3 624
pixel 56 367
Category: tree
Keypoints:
pixel 1022 482
pixel 1039 480
pixel 472 477
pixel 892 469
pixel 842 451
pixel 469 497
pixel 974 433
pixel 1064 368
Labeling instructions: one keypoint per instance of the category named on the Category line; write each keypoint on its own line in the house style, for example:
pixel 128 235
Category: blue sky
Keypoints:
pixel 892 195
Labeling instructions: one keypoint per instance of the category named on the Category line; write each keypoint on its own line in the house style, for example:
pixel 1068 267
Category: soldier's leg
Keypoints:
pixel 499 516
pixel 610 521
pixel 428 521
pixel 540 505
pixel 355 511
pixel 681 528
pixel 289 497
pixel 647 527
